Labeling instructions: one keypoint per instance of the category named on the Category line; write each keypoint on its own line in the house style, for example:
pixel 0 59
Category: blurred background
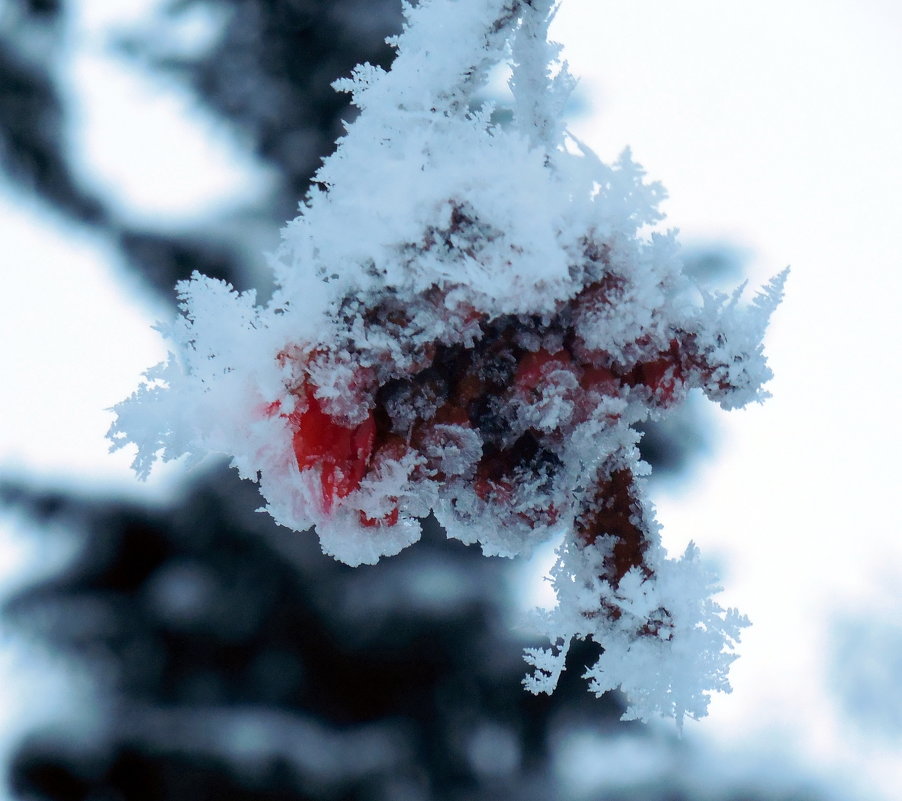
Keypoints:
pixel 163 641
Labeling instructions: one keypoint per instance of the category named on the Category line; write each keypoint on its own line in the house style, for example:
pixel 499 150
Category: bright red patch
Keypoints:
pixel 533 368
pixel 390 519
pixel 341 453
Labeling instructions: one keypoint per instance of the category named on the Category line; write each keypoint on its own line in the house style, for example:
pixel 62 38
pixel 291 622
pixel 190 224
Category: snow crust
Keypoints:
pixel 470 320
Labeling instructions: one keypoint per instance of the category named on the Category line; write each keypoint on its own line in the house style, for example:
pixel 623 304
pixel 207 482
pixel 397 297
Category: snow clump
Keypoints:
pixel 470 320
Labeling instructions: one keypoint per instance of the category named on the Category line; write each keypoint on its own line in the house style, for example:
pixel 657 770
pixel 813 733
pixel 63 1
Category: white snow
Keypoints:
pixel 472 319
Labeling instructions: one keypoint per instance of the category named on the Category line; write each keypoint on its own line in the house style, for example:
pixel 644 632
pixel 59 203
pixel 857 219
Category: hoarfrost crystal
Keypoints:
pixel 471 320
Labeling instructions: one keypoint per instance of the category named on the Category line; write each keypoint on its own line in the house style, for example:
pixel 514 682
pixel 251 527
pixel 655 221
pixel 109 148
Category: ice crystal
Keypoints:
pixel 471 320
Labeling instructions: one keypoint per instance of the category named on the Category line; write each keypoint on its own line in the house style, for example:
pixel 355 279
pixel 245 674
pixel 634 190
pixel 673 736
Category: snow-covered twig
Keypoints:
pixel 471 320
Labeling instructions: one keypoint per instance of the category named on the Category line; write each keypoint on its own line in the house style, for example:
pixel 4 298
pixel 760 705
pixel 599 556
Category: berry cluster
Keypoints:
pixel 487 411
pixel 473 320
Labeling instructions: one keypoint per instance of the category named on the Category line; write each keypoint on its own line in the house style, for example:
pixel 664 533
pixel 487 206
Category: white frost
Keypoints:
pixel 471 319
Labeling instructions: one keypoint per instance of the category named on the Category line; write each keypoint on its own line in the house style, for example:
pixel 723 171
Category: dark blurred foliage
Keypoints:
pixel 239 662
pixel 32 111
pixel 270 73
pixel 233 660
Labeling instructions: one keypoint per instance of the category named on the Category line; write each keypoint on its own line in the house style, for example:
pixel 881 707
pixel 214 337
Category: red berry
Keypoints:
pixel 500 491
pixel 341 453
pixel 662 375
pixel 390 519
pixel 601 380
pixel 534 367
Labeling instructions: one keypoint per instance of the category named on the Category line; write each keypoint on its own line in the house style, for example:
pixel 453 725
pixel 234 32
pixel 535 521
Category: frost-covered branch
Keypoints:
pixel 472 320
